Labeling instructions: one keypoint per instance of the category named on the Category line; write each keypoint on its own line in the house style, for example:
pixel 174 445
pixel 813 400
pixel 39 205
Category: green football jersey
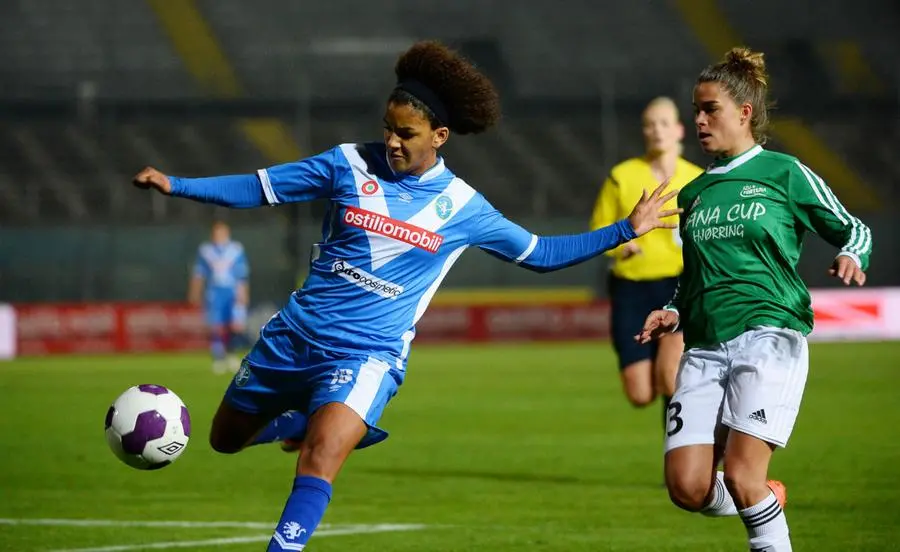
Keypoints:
pixel 742 228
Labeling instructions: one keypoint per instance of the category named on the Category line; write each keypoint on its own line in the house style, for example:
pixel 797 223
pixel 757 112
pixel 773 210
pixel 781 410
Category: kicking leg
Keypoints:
pixel 334 431
pixel 233 429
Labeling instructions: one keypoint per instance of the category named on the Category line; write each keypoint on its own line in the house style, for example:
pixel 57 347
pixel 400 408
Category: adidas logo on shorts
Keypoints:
pixel 759 416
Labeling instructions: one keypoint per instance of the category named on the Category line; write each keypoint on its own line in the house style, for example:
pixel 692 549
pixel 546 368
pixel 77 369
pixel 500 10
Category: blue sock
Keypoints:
pixel 290 425
pixel 302 514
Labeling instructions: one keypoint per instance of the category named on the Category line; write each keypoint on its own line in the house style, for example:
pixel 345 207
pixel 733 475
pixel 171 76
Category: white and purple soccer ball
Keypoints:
pixel 148 427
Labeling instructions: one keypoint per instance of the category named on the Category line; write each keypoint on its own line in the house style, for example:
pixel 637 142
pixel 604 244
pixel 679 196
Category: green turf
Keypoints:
pixel 500 448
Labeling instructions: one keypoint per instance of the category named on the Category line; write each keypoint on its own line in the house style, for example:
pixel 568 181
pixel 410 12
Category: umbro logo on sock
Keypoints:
pixel 759 416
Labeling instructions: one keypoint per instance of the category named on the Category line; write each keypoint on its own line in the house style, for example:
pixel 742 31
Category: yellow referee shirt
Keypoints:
pixel 660 255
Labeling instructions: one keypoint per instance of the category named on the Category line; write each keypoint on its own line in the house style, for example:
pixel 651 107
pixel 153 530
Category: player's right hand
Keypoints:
pixel 629 250
pixel 648 214
pixel 658 323
pixel 152 178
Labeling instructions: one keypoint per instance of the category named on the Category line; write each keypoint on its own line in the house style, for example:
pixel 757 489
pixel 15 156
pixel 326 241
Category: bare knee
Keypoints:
pixel 640 399
pixel 689 476
pixel 638 383
pixel 687 494
pixel 744 484
pixel 333 433
pixel 319 455
pixel 224 445
pixel 232 429
pixel 746 466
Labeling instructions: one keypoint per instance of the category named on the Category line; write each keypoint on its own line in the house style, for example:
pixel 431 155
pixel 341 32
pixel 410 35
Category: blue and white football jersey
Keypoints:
pixel 222 266
pixel 388 241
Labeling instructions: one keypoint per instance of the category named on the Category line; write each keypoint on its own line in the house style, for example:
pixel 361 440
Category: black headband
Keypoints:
pixel 427 96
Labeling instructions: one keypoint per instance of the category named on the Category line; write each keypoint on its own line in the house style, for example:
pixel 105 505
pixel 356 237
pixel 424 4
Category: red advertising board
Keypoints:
pixel 108 328
pixel 858 314
pixel 484 323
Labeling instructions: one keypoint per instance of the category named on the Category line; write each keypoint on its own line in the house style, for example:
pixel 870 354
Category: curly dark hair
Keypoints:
pixel 470 98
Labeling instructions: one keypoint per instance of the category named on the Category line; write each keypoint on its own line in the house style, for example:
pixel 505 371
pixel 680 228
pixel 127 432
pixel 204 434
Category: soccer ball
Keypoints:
pixel 148 427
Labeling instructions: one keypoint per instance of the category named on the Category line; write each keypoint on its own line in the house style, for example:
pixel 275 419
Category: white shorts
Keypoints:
pixel 752 383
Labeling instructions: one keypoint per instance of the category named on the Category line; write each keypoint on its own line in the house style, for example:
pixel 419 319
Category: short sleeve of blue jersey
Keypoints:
pixel 304 180
pixel 500 237
pixel 241 269
pixel 201 267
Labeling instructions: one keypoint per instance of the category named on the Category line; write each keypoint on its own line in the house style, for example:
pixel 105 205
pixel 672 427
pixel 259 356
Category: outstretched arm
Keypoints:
pixel 511 242
pixel 302 180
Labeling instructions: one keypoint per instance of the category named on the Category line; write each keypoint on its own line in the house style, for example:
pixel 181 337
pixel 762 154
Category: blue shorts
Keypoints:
pixel 283 372
pixel 222 309
pixel 630 303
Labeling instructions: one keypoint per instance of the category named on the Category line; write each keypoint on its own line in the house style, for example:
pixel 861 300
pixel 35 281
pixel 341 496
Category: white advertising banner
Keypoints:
pixel 7 331
pixel 856 314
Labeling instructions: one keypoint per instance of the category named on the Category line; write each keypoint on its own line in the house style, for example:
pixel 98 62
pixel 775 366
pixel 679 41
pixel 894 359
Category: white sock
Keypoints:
pixel 721 503
pixel 767 527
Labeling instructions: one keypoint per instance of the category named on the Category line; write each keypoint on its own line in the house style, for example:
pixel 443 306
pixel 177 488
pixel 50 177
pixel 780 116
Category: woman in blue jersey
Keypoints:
pixel 326 365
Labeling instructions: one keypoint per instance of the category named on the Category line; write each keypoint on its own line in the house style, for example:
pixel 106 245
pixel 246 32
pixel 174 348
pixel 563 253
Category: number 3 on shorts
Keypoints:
pixel 674 418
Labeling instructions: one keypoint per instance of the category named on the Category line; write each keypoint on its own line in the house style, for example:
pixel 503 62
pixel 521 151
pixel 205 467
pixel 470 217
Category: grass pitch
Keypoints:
pixel 492 448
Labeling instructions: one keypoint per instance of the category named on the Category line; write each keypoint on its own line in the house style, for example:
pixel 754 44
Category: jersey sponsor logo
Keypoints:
pixel 405 197
pixel 752 190
pixel 369 187
pixel 393 228
pixel 443 206
pixel 722 222
pixel 367 281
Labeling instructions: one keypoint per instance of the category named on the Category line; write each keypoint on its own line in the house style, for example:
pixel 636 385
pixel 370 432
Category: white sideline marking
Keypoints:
pixel 346 530
pixel 174 544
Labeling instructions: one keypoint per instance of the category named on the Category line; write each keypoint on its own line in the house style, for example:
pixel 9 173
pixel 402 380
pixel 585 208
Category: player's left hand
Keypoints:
pixel 648 214
pixel 846 269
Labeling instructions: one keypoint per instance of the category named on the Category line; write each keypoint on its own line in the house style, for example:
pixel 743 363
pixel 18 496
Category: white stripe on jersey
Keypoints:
pixel 372 201
pixel 528 250
pixel 860 235
pixel 366 386
pixel 267 186
pixel 459 193
pixel 737 161
pixel 432 289
pixel 406 338
pixel 383 249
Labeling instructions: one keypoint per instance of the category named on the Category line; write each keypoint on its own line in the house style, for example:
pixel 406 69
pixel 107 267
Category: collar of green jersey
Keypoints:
pixel 723 165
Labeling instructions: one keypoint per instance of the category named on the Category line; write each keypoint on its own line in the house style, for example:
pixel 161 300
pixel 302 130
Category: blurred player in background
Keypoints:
pixel 644 272
pixel 326 365
pixel 220 284
pixel 743 307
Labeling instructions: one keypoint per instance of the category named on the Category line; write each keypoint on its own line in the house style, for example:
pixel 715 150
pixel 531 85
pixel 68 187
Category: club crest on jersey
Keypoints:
pixel 444 207
pixel 369 187
pixel 243 374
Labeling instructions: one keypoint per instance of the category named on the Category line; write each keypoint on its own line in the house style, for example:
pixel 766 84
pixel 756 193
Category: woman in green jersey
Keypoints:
pixel 743 308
